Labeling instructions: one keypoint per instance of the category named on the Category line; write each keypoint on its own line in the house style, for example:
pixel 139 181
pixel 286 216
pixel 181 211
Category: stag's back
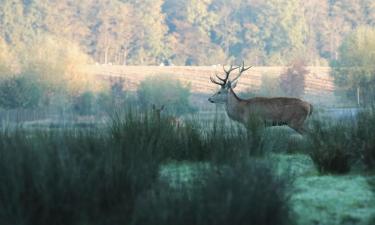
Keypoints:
pixel 279 109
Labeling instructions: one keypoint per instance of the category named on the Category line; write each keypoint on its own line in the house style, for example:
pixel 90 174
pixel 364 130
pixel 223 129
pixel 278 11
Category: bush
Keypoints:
pixel 336 147
pixel 246 193
pixel 330 147
pixel 364 137
pixel 292 82
pixel 20 92
pixel 84 104
pixel 161 90
pixel 270 86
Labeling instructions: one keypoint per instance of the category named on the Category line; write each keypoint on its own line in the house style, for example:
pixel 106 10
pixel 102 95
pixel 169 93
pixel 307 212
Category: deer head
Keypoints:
pixel 221 96
pixel 157 111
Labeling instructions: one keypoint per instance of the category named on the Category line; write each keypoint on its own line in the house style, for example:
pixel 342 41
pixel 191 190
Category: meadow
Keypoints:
pixel 137 168
pixel 162 154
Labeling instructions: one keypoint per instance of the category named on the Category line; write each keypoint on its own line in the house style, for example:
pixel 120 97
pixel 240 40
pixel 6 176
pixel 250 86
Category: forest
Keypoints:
pixel 189 32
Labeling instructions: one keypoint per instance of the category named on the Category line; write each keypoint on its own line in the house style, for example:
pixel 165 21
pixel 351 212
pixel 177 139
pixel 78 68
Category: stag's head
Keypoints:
pixel 226 84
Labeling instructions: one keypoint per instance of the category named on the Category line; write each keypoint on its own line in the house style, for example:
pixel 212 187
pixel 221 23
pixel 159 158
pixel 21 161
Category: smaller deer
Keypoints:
pixel 177 122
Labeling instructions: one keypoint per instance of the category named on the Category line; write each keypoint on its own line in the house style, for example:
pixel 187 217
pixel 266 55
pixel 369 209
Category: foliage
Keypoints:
pixel 192 32
pixel 58 65
pixel 335 147
pixel 6 60
pixel 84 103
pixel 20 92
pixel 162 90
pixel 364 137
pixel 354 70
pixel 270 86
pixel 98 176
pixel 292 82
pixel 331 147
pixel 221 196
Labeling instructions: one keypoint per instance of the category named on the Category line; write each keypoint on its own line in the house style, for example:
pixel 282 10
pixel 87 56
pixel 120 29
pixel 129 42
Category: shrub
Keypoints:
pixel 335 147
pixel 84 104
pixel 247 193
pixel 20 92
pixel 292 82
pixel 364 137
pixel 161 90
pixel 59 64
pixel 270 86
pixel 331 147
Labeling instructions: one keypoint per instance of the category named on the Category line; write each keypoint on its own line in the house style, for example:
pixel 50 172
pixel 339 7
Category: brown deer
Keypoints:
pixel 273 111
pixel 177 122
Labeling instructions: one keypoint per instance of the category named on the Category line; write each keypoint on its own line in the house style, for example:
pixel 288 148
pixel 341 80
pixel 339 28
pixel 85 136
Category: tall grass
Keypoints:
pixel 93 176
pixel 246 193
pixel 337 146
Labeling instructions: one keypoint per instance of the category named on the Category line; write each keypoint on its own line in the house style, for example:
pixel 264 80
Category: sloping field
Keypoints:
pixel 319 85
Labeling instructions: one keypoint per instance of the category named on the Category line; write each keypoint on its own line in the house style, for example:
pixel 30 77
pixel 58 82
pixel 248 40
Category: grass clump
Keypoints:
pixel 246 193
pixel 72 176
pixel 336 147
pixel 364 137
pixel 98 176
pixel 330 147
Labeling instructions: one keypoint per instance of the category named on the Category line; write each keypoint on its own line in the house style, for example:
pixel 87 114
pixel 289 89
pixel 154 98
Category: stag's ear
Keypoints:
pixel 228 85
pixel 234 84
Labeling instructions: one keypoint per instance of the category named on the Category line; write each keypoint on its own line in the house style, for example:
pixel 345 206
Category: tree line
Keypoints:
pixel 190 32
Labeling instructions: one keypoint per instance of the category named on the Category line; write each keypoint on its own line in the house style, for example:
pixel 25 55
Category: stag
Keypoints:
pixel 273 111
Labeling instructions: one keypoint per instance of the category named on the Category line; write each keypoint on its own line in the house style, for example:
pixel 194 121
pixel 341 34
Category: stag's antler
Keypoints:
pixel 242 69
pixel 227 73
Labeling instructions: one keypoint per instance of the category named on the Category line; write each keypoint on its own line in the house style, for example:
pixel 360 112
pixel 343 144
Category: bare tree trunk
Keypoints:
pixel 125 57
pixel 106 55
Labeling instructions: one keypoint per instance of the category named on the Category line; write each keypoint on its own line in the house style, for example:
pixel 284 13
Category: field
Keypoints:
pixel 131 167
pixel 319 85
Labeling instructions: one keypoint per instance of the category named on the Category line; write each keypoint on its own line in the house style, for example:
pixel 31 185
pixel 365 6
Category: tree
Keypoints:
pixel 292 81
pixel 354 71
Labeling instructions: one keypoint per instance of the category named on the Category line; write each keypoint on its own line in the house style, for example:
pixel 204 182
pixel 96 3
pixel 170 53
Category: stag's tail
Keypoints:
pixel 311 110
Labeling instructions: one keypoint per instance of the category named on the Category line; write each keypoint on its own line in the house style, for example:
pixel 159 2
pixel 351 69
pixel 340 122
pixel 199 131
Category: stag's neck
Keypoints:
pixel 234 107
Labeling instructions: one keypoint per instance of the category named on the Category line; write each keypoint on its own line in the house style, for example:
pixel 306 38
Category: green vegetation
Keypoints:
pixel 229 195
pixel 190 32
pixel 354 70
pixel 292 81
pixel 165 91
pixel 20 92
pixel 270 86
pixel 337 146
pixel 92 176
pixel 84 103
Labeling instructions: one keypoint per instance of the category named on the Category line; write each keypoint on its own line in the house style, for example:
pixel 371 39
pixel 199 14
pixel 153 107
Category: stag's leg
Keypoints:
pixel 297 125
